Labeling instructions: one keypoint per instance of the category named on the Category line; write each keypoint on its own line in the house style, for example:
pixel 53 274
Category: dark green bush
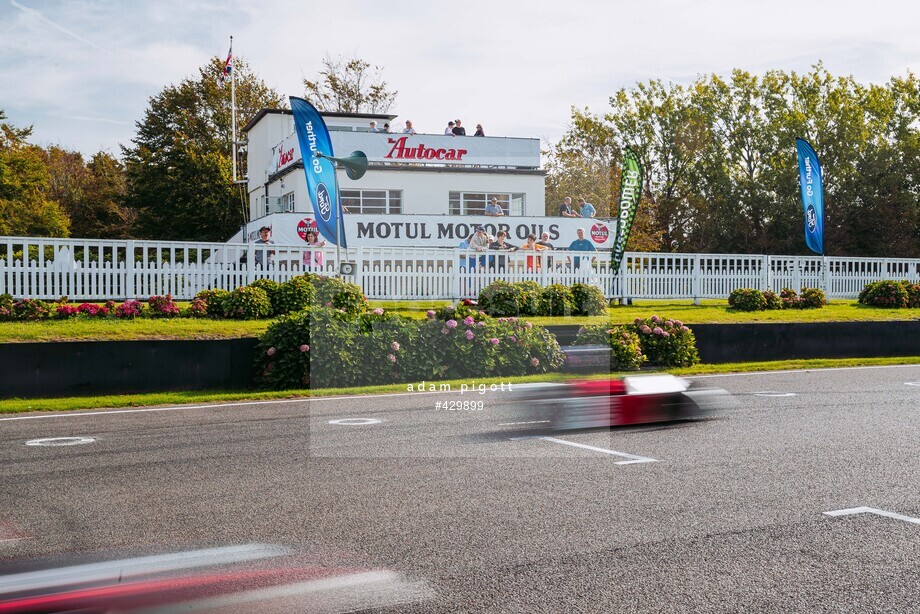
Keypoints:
pixel 886 293
pixel 29 309
pixel 625 348
pixel 501 298
pixel 6 307
pixel 790 299
pixel 339 294
pixel 529 304
pixel 747 299
pixel 296 294
pixel 458 312
pixel 666 343
pixel 282 355
pixel 812 298
pixel 271 288
pixel 913 293
pixel 772 300
pixel 588 300
pixel 248 303
pixel 214 301
pixel 556 300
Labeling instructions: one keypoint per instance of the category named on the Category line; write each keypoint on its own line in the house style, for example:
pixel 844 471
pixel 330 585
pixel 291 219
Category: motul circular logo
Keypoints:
pixel 304 226
pixel 599 233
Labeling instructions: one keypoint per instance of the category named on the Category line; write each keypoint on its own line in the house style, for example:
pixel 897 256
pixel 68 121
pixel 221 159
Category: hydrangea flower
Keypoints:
pixel 394 346
pixel 470 335
pixel 445 331
pixel 684 329
pixel 645 329
pixel 430 313
pixel 468 320
pixel 535 362
pixel 637 321
pixel 493 341
pixel 528 324
pixel 451 324
pixel 305 348
pixel 657 330
pixel 271 351
pixel 513 339
pixel 655 319
pixel 378 311
pixel 391 358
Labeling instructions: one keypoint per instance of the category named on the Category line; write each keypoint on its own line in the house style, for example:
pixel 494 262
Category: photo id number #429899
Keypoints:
pixel 459 405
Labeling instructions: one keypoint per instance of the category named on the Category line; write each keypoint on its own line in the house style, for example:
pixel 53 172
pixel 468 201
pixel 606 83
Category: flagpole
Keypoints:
pixel 233 105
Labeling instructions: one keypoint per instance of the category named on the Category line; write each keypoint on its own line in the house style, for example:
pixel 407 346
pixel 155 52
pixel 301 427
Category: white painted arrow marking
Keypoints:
pixel 355 421
pixel 774 394
pixel 871 510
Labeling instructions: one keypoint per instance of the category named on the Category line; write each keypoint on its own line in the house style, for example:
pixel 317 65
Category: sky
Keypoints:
pixel 81 72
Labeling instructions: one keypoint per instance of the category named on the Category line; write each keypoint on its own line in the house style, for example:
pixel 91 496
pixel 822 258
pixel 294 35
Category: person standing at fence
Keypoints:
pixel 264 257
pixel 501 245
pixel 313 258
pixel 566 209
pixel 586 209
pixel 581 244
pixel 531 245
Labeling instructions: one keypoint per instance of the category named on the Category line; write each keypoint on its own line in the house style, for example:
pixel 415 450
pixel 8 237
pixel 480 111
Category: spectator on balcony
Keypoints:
pixel 493 209
pixel 479 131
pixel 313 259
pixel 581 244
pixel 264 257
pixel 566 209
pixel 386 128
pixel 449 131
pixel 458 129
pixel 374 127
pixel 586 209
pixel 408 129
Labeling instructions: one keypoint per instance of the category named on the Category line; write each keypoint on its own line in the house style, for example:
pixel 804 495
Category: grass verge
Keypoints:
pixel 178 398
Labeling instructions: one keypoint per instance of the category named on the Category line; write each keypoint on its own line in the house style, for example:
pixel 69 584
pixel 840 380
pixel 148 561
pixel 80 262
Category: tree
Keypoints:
pixel 349 85
pixel 178 167
pixel 25 208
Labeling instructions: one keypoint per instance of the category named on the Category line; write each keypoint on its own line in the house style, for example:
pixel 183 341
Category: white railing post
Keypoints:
pixel 765 274
pixel 251 262
pixel 696 282
pixel 129 270
pixel 458 271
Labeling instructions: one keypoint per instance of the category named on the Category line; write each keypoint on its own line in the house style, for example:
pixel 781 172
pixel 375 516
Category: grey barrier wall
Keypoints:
pixel 121 367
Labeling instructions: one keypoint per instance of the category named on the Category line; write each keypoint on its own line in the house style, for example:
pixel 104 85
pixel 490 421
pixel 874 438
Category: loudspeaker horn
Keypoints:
pixel 355 164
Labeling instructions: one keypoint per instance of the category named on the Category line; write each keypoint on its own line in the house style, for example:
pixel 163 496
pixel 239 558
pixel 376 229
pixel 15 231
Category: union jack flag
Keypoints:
pixel 228 67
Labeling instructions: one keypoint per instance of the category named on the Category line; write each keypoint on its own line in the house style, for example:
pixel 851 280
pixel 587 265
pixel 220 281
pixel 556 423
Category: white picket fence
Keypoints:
pixel 83 269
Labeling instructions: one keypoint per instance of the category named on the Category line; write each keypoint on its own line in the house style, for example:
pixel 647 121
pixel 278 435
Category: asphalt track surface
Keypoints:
pixel 729 516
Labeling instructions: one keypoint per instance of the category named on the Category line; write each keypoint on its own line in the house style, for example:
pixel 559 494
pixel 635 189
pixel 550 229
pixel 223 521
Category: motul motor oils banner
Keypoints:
pixel 435 230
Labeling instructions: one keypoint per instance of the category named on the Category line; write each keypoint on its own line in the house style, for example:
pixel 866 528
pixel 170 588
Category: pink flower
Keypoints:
pixel 645 329
pixel 493 341
pixel 637 321
pixel 445 331
pixel 480 324
pixel 657 330
pixel 468 320
pixel 394 346
pixel 271 351
pixel 684 329
pixel 451 324
pixel 665 333
pixel 655 319
pixel 482 313
pixel 391 358
pixel 678 323
pixel 535 362
pixel 430 313
pixel 513 339
pixel 528 324
pixel 378 311
pixel 305 348
pixel 329 304
pixel 470 335
pixel 669 323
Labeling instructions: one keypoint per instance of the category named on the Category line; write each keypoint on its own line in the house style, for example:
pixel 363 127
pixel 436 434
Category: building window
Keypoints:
pixel 287 202
pixel 474 203
pixel 374 202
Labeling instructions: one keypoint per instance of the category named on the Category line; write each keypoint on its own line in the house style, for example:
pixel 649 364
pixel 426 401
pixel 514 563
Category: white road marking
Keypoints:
pixel 528 422
pixel 355 421
pixel 871 510
pixel 770 393
pixel 60 441
pixel 633 459
pixel 912 383
pixel 805 370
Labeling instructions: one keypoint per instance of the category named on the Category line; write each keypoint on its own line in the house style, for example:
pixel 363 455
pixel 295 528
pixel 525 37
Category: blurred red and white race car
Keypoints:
pixel 639 399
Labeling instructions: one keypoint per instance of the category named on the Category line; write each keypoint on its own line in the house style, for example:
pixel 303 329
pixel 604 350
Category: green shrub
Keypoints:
pixel 588 300
pixel 214 301
pixel 913 293
pixel 162 307
pixel 556 300
pixel 29 309
pixel 812 298
pixel 529 303
pixel 747 299
pixel 460 311
pixel 771 300
pixel 666 343
pixel 886 293
pixel 325 347
pixel 296 294
pixel 625 347
pixel 197 309
pixel 282 354
pixel 501 298
pixel 271 288
pixel 339 294
pixel 6 307
pixel 248 303
pixel 790 299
